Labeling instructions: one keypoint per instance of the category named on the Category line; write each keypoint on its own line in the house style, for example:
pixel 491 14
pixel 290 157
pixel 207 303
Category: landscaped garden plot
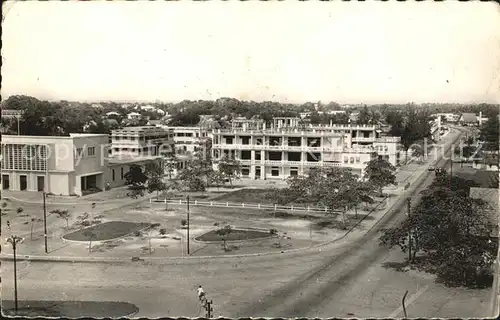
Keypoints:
pixel 236 234
pixel 106 231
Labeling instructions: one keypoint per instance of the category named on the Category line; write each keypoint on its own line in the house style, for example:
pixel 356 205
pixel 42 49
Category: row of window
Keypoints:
pixel 90 152
pixel 122 174
pixel 142 138
pixel 351 160
pixel 24 157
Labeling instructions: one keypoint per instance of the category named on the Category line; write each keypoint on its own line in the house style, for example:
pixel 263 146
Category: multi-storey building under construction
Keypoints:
pixel 290 147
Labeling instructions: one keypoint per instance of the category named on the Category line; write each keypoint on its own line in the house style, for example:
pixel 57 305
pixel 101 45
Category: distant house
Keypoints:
pixel 96 105
pixel 490 197
pixel 112 113
pixel 468 119
pixel 148 108
pixel 160 111
pixel 154 122
pixel 134 115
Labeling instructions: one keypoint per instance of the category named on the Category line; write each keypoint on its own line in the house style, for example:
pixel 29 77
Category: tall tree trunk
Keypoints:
pixel 31 232
pixel 67 224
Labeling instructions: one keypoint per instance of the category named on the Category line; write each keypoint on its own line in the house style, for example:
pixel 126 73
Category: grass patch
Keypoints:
pixel 69 309
pixel 106 231
pixel 236 234
pixel 246 196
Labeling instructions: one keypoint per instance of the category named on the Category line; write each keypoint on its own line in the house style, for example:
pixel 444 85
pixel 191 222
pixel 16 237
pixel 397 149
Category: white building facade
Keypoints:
pixel 141 141
pixel 60 165
pixel 289 148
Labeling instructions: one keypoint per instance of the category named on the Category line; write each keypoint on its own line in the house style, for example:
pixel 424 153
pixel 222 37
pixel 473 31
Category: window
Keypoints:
pixel 294 173
pixel 257 155
pixel 275 172
pixel 113 174
pixel 91 151
pixel 346 160
pixel 121 173
pixel 245 155
pixel 229 140
pixel 352 160
pixel 358 159
pixel 79 152
pixel 245 140
pixel 245 171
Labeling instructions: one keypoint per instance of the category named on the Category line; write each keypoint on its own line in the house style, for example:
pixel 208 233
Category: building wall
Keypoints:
pixel 66 160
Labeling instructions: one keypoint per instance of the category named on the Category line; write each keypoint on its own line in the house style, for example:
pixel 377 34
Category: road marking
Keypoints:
pixel 408 302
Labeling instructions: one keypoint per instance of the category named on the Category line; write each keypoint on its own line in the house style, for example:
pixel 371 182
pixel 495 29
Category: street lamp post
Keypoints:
pixel 45 223
pixel 14 240
pixel 187 224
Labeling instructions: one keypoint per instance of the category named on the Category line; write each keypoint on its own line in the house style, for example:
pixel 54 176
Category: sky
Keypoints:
pixel 347 52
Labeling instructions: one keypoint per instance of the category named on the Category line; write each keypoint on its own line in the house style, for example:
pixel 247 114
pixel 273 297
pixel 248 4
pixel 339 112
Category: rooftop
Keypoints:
pixel 124 160
pixel 469 117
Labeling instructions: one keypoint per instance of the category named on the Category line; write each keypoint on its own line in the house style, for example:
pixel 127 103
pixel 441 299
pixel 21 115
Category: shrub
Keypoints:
pixel 137 234
pixel 216 224
pixel 155 225
pixel 183 222
pixel 273 231
pixel 163 231
pixel 86 223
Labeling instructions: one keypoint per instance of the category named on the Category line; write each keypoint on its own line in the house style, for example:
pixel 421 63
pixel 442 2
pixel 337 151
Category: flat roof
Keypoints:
pixel 124 160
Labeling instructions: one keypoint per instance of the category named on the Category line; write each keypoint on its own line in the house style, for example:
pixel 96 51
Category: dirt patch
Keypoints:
pixel 106 231
pixel 236 234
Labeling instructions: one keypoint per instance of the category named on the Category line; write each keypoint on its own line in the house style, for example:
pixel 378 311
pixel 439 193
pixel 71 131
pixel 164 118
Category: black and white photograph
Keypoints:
pixel 250 159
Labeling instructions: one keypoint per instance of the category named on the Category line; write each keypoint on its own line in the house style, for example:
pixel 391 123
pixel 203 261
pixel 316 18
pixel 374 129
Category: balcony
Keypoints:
pixel 363 139
pixel 388 140
pixel 275 148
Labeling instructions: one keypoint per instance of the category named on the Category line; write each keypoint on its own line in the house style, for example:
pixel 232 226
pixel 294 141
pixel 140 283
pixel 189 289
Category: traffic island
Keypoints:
pixel 106 231
pixel 234 235
pixel 69 309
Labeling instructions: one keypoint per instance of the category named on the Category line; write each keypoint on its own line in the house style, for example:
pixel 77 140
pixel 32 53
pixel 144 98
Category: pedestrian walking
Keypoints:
pixel 8 225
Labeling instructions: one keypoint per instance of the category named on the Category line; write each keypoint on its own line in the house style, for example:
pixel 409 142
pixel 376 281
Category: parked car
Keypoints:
pixel 431 168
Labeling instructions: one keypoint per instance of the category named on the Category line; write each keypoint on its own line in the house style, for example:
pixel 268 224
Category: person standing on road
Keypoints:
pixel 8 225
pixel 201 293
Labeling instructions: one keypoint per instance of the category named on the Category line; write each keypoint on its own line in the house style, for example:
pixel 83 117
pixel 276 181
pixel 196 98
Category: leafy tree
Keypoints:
pixel 62 214
pixel 135 179
pixel 364 116
pixel 451 230
pixel 231 168
pixel 190 177
pixel 360 192
pixel 380 173
pixel 218 179
pixel 224 233
pixel 154 172
pixel 489 134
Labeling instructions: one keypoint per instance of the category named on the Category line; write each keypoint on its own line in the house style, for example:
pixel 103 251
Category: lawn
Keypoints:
pixel 236 234
pixel 106 231
pixel 246 196
pixel 70 309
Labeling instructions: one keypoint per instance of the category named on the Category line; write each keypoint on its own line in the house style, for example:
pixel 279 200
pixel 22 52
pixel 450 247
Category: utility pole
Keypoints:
pixel 187 224
pixel 409 231
pixel 45 223
pixel 209 309
pixel 451 170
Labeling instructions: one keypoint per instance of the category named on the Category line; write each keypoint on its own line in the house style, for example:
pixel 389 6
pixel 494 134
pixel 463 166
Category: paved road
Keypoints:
pixel 344 279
